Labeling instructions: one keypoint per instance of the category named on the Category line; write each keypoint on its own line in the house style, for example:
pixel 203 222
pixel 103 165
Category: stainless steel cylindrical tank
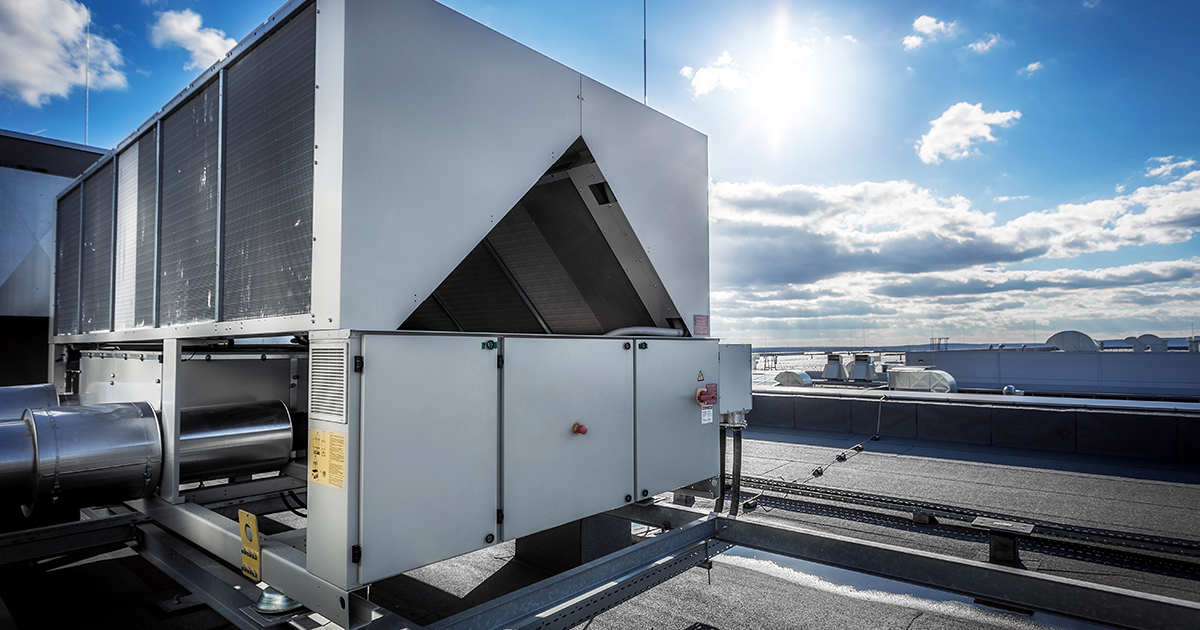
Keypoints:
pixel 94 454
pixel 15 399
pixel 231 440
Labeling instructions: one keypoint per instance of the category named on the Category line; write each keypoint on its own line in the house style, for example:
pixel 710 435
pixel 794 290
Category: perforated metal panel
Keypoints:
pixel 327 396
pixel 95 297
pixel 125 276
pixel 187 290
pixel 267 266
pixel 66 278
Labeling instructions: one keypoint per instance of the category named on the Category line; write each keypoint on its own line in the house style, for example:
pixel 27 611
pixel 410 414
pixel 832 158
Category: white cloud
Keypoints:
pixel 912 41
pixel 931 26
pixel 184 29
pixel 1120 188
pixel 1030 69
pixel 986 44
pixel 893 255
pixel 1002 199
pixel 721 74
pixel 1166 166
pixel 43 45
pixel 952 134
pixel 1090 4
pixel 850 39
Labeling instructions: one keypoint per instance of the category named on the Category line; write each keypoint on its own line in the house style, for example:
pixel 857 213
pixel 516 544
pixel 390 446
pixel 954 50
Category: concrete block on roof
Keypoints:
pixel 1043 429
pixel 893 419
pixel 969 424
pixel 772 411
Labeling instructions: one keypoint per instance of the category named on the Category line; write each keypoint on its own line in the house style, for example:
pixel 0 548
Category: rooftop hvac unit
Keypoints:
pixel 921 380
pixel 421 203
pixel 834 370
pixel 863 368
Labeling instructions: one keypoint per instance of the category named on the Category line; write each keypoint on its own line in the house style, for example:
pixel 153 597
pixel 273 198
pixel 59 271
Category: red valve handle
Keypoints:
pixel 706 395
pixel 579 429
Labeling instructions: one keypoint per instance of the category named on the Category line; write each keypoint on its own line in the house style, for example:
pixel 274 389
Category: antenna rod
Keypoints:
pixel 645 94
pixel 87 66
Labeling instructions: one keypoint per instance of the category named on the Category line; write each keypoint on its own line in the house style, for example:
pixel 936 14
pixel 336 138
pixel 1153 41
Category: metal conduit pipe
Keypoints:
pixel 102 454
pixel 644 331
pixel 15 399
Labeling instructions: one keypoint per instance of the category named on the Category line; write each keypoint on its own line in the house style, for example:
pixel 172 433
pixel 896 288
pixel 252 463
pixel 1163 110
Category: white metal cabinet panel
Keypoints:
pixel 430 432
pixel 447 124
pixel 736 378
pixel 658 171
pixel 676 443
pixel 551 475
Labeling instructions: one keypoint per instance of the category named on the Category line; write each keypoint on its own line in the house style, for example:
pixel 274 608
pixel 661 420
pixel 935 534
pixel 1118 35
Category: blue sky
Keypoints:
pixel 882 172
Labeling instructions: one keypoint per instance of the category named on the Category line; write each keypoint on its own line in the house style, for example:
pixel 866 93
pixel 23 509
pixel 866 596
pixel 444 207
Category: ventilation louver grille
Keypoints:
pixel 327 400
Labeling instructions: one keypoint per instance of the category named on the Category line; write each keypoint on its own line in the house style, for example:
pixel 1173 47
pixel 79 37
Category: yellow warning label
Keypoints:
pixel 327 458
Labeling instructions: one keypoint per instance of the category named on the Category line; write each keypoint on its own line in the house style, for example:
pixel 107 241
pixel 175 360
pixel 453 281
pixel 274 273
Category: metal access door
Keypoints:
pixel 429 450
pixel 551 474
pixel 677 442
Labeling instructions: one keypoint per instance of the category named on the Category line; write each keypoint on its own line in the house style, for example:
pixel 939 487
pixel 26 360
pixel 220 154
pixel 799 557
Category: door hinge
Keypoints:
pixel 499 517
pixel 355 554
pixel 500 361
pixel 358 363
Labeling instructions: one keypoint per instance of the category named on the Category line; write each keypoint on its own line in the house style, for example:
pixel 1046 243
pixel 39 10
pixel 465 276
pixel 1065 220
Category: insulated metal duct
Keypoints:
pixel 102 454
pixel 16 399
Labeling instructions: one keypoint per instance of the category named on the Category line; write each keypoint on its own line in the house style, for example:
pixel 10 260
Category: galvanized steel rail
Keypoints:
pixel 1094 535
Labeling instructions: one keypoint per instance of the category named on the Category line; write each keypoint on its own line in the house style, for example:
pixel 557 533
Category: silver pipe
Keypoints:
pixel 644 331
pixel 95 454
pixel 16 463
pixel 16 399
pixel 232 440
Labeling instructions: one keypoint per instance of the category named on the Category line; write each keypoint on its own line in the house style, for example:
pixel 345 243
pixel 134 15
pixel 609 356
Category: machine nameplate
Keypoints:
pixel 327 458
pixel 251 546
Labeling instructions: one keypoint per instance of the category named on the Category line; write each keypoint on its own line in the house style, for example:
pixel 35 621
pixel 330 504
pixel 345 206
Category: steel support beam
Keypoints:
pixel 587 590
pixel 59 539
pixel 1066 597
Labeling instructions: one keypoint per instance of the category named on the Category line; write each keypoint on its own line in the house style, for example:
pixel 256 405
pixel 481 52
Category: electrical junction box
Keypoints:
pixel 736 378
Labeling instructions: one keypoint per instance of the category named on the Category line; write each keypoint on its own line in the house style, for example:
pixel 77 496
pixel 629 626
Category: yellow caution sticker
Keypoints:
pixel 327 458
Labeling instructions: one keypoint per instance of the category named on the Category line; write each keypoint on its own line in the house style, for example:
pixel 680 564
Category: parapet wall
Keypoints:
pixel 1167 435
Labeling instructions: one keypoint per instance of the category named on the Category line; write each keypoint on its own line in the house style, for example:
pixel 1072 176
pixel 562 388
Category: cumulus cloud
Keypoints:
pixel 986 44
pixel 953 133
pixel 722 74
pixel 43 46
pixel 984 281
pixel 185 30
pixel 931 26
pixel 1030 69
pixel 1003 199
pixel 912 41
pixel 1166 165
pixel 802 235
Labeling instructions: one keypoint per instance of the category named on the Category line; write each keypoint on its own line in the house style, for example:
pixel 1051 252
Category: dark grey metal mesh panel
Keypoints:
pixel 66 276
pixel 187 290
pixel 267 267
pixel 480 297
pixel 537 270
pixel 568 227
pixel 95 297
pixel 429 316
pixel 147 203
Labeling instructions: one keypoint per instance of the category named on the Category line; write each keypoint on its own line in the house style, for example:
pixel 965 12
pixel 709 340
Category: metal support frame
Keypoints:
pixel 168 489
pixel 59 539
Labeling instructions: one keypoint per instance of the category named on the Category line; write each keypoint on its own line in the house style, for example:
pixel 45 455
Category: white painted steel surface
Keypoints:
pixel 447 125
pixel 27 210
pixel 735 378
pixel 675 444
pixel 430 450
pixel 550 475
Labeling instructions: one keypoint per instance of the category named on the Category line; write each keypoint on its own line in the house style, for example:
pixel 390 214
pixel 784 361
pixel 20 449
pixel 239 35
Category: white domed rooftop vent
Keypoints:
pixel 1072 341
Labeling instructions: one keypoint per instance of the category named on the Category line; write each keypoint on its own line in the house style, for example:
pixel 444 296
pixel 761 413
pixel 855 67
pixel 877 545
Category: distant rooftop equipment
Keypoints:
pixel 786 378
pixel 939 343
pixel 915 379
pixel 834 370
pixel 1147 343
pixel 863 368
pixel 1073 341
pixel 1193 344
